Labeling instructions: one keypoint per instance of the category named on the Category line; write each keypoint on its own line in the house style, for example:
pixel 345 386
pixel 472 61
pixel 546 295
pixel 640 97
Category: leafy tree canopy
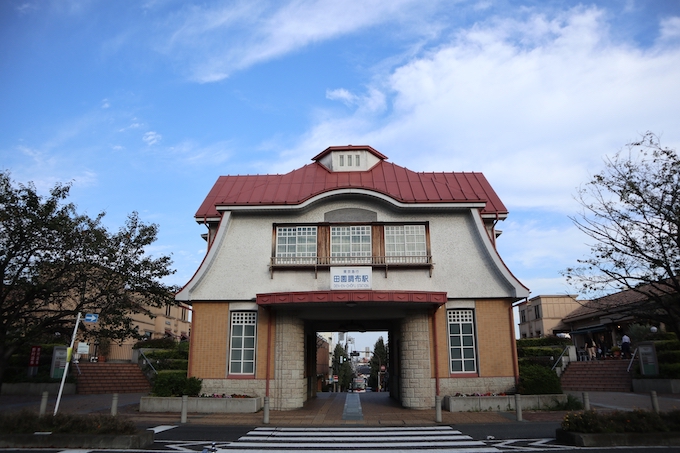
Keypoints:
pixel 55 263
pixel 631 211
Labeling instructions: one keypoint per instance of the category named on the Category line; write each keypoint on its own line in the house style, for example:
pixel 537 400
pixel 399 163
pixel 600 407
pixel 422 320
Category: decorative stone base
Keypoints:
pixel 473 385
pixel 616 439
pixel 500 403
pixel 201 405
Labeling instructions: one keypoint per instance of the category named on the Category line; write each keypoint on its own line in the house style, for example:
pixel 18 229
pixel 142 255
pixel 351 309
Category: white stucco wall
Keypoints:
pixel 465 265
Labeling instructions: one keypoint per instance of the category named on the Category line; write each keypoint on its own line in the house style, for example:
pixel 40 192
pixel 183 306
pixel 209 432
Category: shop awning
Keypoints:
pixel 591 329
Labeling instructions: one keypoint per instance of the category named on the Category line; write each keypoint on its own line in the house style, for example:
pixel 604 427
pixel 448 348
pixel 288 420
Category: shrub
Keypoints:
pixel 667 345
pixel 176 383
pixel 543 341
pixel 669 371
pixel 572 404
pixel 174 364
pixel 157 343
pixel 538 380
pixel 668 356
pixel 539 351
pixel 26 422
pixel 637 421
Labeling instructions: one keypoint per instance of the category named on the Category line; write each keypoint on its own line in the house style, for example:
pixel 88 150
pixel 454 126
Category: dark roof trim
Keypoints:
pixel 358 297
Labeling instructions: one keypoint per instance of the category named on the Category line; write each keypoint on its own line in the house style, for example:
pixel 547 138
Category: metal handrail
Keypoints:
pixel 630 364
pixel 566 348
pixel 147 361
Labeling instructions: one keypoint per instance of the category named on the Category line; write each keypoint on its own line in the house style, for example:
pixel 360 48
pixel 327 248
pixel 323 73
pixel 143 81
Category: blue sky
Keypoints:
pixel 143 104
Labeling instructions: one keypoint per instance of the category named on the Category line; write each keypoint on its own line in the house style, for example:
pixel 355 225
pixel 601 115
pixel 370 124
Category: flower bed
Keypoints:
pixel 620 428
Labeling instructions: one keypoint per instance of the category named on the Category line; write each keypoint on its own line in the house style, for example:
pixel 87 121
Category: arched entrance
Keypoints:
pixel 296 317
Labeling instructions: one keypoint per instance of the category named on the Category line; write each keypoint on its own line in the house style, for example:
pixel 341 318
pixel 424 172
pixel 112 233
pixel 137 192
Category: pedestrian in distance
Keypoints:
pixel 625 346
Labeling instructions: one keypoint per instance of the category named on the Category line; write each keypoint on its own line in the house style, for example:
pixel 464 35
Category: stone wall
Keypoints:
pixel 417 384
pixel 468 386
pixel 289 389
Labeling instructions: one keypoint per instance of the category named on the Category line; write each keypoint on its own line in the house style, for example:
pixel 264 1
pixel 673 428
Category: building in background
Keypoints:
pixel 541 316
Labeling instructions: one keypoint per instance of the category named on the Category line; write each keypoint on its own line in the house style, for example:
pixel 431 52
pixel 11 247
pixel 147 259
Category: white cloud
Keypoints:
pixel 670 29
pixel 535 104
pixel 151 138
pixel 342 95
pixel 216 41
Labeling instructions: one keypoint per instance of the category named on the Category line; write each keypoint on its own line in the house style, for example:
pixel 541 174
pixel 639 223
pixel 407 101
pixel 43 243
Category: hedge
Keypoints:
pixel 538 380
pixel 175 383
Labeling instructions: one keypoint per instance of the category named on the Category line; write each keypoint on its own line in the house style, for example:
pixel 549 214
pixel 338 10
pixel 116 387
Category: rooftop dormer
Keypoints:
pixel 349 158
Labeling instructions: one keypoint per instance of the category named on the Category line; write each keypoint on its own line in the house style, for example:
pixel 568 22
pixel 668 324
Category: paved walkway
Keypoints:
pixel 330 409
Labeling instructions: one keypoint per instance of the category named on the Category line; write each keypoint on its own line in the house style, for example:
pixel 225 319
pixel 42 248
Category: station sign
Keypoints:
pixel 351 278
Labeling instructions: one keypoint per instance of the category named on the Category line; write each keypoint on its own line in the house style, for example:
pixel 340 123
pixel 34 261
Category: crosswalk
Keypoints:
pixel 357 440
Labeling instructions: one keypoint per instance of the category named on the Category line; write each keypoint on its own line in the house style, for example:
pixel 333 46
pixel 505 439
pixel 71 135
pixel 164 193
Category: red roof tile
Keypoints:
pixel 399 183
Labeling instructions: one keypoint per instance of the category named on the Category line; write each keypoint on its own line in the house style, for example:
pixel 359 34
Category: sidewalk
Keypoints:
pixel 327 409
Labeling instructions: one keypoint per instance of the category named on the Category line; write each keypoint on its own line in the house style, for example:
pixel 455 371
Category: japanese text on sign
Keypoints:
pixel 351 278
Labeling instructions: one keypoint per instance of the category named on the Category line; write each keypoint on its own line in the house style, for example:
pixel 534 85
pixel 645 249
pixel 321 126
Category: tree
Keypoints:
pixel 342 367
pixel 631 210
pixel 55 263
pixel 378 360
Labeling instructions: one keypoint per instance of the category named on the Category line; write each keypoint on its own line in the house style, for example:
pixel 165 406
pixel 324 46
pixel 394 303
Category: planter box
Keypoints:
pixel 37 388
pixel 201 405
pixel 142 439
pixel 658 385
pixel 616 439
pixel 500 403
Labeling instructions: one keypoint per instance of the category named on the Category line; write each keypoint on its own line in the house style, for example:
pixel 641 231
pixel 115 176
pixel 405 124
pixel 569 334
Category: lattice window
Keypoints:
pixel 351 241
pixel 242 349
pixel 405 240
pixel 462 349
pixel 296 242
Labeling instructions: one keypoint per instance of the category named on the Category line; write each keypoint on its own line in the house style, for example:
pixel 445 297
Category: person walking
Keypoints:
pixel 625 346
pixel 590 348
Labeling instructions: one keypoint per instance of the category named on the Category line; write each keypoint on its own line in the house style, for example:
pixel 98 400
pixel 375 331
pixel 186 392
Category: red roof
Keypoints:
pixel 398 183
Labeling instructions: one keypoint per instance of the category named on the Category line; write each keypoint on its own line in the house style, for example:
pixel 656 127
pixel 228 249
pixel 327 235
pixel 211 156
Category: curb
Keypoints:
pixel 617 439
pixel 90 441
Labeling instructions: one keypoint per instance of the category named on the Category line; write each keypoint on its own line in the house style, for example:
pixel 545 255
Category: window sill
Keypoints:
pixel 376 262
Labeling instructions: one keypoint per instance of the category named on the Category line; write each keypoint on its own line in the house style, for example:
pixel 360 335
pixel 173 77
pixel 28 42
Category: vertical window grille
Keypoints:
pixel 341 159
pixel 349 161
pixel 462 349
pixel 356 160
pixel 242 351
pixel 405 241
pixel 296 243
pixel 351 244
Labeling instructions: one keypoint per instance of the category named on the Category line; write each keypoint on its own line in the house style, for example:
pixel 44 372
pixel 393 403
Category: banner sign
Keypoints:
pixel 350 278
pixel 35 356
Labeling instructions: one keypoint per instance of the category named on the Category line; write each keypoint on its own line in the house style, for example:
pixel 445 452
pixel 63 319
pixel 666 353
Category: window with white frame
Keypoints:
pixel 351 244
pixel 242 346
pixel 462 349
pixel 402 242
pixel 297 243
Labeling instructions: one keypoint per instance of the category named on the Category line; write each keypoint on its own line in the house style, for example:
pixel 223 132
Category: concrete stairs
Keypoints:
pixel 108 377
pixel 598 376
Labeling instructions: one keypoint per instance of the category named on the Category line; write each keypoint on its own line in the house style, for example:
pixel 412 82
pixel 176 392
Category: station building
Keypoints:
pixel 353 242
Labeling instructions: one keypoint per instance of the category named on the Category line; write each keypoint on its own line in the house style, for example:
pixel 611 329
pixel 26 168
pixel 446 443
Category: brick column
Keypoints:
pixel 289 387
pixel 417 384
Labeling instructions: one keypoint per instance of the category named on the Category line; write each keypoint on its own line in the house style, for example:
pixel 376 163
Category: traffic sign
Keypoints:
pixel 91 317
